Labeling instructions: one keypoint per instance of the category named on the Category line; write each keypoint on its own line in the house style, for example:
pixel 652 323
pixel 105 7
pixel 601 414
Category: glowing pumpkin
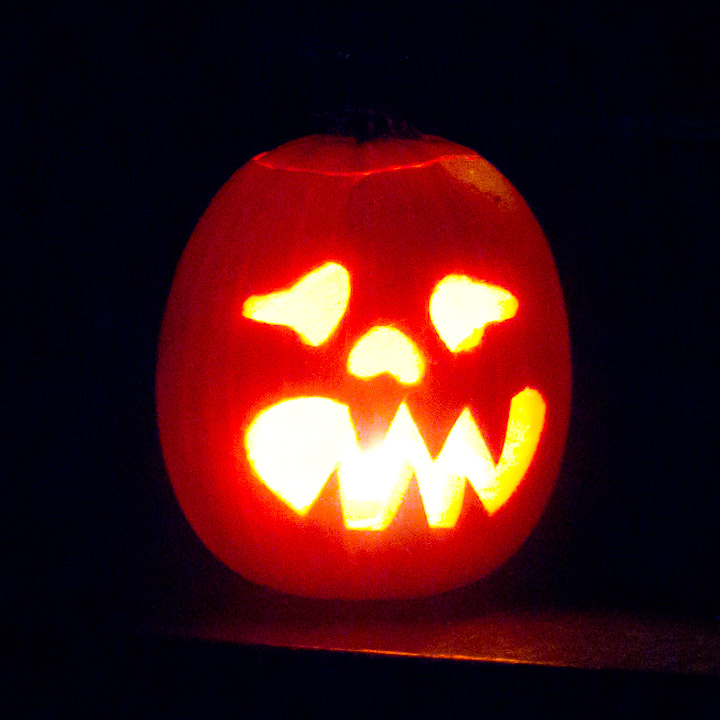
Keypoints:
pixel 364 381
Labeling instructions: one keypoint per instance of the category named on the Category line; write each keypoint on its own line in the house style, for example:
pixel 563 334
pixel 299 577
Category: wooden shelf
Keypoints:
pixel 460 626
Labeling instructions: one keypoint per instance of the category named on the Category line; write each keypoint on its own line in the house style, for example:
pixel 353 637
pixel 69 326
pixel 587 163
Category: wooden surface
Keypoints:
pixel 456 626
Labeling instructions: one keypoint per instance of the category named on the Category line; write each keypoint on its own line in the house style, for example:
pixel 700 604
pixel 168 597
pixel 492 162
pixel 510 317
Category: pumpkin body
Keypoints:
pixel 390 220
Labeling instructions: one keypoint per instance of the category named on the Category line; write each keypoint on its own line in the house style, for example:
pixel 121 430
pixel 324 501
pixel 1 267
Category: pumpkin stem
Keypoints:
pixel 366 124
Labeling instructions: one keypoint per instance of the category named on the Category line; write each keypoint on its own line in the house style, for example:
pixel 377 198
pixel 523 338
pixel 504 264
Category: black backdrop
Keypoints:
pixel 122 124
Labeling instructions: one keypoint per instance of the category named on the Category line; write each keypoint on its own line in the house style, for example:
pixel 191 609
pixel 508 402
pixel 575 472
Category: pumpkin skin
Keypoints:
pixel 398 215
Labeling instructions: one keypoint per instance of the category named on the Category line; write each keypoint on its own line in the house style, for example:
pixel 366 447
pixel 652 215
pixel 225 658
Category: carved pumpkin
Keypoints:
pixel 363 383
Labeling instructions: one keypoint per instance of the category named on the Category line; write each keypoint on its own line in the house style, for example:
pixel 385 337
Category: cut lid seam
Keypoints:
pixel 360 173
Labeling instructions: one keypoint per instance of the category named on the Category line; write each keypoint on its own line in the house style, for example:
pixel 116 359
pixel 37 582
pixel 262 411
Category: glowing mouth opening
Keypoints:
pixel 295 446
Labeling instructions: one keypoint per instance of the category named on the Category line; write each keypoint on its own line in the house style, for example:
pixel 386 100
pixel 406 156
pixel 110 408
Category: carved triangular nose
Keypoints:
pixel 385 349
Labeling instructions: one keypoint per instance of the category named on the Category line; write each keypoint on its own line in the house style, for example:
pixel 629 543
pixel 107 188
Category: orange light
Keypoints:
pixel 384 349
pixel 296 445
pixel 461 307
pixel 312 307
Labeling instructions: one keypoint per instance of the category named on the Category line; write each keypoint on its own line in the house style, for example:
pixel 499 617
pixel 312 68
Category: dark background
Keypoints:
pixel 121 126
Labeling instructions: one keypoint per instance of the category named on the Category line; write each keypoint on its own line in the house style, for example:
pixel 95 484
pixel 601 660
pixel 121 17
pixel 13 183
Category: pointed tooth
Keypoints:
pixel 296 445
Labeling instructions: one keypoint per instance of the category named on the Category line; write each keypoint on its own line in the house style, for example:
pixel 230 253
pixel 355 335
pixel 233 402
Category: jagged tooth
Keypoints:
pixel 525 424
pixel 466 455
pixel 463 456
pixel 372 483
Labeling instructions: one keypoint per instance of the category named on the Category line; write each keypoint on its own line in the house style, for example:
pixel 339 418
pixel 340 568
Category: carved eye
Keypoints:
pixel 461 307
pixel 312 307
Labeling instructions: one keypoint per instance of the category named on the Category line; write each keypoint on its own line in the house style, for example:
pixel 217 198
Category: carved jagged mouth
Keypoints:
pixel 295 446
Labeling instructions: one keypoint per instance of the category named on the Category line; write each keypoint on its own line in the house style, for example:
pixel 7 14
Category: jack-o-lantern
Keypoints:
pixel 363 383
